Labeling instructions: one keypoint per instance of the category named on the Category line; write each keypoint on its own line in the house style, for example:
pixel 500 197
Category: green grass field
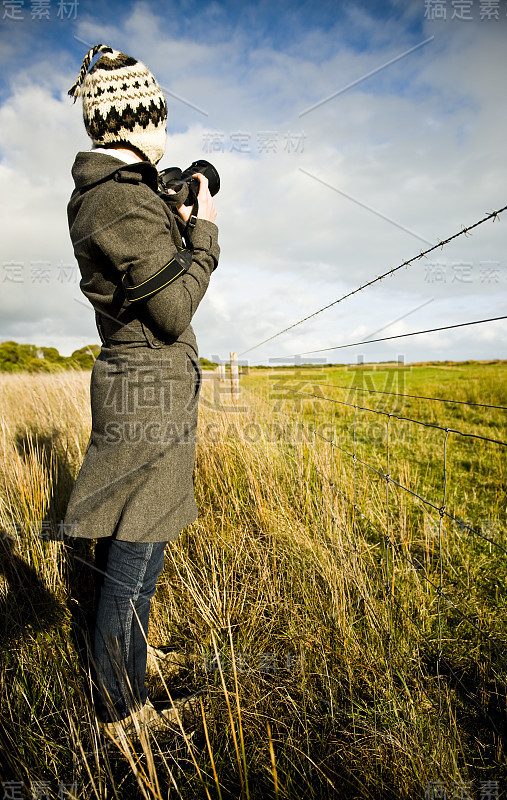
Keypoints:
pixel 359 621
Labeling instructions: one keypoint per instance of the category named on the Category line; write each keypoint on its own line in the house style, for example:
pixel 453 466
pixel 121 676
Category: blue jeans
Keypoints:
pixel 124 571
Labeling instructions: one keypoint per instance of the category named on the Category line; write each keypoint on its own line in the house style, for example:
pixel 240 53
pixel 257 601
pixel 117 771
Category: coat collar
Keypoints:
pixel 90 168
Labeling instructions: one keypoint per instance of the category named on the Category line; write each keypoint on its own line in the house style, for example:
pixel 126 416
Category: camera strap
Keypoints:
pixel 191 221
pixel 177 266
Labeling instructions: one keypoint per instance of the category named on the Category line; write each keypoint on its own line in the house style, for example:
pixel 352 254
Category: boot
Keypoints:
pixel 188 708
pixel 170 664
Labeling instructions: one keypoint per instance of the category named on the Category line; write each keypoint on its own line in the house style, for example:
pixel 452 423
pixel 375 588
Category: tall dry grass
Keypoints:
pixel 319 684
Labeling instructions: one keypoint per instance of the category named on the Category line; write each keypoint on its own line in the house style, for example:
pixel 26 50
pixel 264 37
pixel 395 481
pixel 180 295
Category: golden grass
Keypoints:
pixel 319 684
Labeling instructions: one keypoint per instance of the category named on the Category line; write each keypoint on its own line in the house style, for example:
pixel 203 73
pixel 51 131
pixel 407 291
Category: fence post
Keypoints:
pixel 234 376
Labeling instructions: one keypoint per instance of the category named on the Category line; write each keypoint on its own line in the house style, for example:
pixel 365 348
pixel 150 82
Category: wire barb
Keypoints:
pixel 440 243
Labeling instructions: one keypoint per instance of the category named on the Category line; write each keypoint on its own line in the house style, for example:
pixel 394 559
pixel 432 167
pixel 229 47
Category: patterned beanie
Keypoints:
pixel 122 102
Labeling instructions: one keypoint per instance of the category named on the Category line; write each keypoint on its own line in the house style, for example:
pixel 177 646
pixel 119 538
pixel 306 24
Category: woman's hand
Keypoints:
pixel 206 208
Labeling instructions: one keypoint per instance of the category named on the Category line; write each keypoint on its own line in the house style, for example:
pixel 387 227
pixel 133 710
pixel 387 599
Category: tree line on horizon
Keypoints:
pixel 15 357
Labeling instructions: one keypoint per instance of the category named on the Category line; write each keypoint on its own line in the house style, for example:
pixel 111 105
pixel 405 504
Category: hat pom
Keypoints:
pixel 74 90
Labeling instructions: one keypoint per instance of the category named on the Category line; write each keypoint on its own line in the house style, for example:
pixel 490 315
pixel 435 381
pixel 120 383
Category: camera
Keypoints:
pixel 174 178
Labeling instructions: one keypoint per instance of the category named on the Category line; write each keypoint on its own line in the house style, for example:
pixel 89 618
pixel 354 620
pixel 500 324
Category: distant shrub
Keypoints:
pixel 15 357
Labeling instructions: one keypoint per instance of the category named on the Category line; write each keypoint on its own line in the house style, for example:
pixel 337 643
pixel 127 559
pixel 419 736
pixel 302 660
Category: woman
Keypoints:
pixel 145 263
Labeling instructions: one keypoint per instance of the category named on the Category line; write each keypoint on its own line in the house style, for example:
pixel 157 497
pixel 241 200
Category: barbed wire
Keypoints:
pixel 402 335
pixel 391 548
pixel 399 394
pixel 442 510
pixel 417 627
pixel 445 513
pixel 399 416
pixel 422 254
pixel 439 656
pixel 418 569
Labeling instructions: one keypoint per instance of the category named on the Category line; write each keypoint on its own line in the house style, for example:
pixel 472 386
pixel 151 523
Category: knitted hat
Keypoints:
pixel 122 102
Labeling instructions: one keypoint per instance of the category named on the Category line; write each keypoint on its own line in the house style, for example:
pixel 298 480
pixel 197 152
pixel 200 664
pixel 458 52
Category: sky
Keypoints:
pixel 349 137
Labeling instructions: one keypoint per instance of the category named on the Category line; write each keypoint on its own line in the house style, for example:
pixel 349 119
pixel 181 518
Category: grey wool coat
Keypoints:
pixel 136 479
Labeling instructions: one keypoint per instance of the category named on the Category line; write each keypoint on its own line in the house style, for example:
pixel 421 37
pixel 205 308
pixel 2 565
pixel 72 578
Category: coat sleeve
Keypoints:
pixel 136 234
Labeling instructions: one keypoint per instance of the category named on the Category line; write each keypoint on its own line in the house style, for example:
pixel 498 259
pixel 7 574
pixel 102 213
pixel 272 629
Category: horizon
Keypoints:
pixel 348 138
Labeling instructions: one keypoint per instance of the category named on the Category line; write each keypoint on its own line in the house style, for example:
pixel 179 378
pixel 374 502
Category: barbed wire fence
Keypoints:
pixel 394 552
pixel 493 215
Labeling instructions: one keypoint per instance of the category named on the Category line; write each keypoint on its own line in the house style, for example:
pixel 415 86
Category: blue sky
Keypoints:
pixel 412 151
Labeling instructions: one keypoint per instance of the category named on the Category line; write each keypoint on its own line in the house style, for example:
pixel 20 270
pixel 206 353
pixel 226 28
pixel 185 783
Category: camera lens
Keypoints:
pixel 206 169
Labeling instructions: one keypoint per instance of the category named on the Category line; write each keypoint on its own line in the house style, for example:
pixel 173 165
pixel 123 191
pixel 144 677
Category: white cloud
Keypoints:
pixel 422 144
